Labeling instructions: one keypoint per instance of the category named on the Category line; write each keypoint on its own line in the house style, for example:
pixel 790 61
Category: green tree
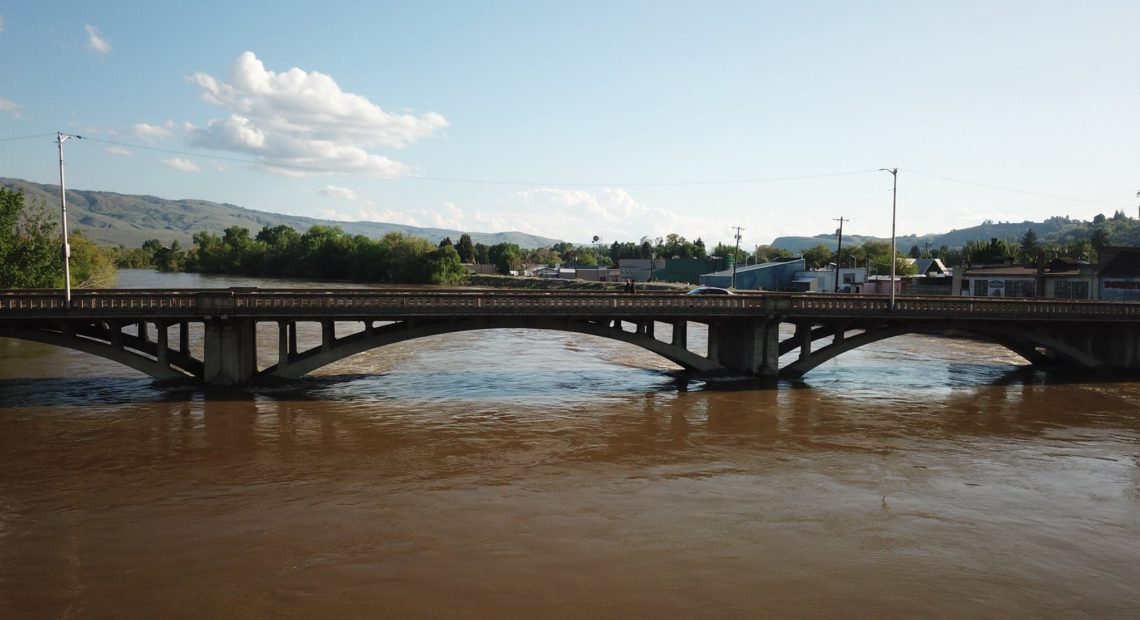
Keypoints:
pixel 817 257
pixel 30 253
pixel 444 266
pixel 482 254
pixel 1030 246
pixel 506 257
pixel 465 248
pixel 91 265
pixel 768 253
pixel 170 259
pixel 1099 239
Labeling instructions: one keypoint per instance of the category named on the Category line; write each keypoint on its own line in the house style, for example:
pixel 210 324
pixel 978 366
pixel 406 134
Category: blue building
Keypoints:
pixel 774 276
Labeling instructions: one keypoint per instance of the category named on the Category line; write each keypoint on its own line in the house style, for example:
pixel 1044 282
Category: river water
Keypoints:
pixel 533 474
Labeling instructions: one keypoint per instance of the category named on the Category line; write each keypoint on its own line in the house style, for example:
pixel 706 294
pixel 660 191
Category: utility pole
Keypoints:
pixel 60 138
pixel 894 203
pixel 1138 196
pixel 838 247
pixel 735 255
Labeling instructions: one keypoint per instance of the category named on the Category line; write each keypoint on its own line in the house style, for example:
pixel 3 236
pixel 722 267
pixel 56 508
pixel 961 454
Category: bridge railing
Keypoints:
pixel 276 303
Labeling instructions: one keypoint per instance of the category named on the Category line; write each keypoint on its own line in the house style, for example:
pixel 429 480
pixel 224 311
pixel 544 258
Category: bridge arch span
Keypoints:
pixel 1027 344
pixel 303 363
pixel 131 351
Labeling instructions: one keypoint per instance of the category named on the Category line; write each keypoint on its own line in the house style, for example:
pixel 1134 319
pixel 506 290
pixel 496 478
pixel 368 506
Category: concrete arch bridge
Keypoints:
pixel 210 337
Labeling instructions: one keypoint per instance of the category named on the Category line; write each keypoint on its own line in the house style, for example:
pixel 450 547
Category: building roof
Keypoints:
pixel 1121 263
pixel 740 269
pixel 929 265
pixel 1024 272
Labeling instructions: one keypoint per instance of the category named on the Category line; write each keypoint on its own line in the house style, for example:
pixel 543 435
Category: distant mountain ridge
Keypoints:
pixel 953 239
pixel 108 218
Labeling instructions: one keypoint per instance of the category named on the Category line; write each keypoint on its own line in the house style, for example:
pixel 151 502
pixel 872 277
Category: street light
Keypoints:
pixel 60 139
pixel 894 201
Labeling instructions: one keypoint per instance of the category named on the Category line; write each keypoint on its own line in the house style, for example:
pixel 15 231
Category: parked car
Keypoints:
pixel 710 290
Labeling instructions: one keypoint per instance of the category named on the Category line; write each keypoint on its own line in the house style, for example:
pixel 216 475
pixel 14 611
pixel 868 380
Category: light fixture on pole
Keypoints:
pixel 894 201
pixel 60 139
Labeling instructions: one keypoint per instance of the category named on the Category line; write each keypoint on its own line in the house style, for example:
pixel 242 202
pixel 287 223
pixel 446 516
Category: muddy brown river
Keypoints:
pixel 531 474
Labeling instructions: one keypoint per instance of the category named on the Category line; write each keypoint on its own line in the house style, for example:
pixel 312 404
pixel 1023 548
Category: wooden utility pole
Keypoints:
pixel 735 256
pixel 838 247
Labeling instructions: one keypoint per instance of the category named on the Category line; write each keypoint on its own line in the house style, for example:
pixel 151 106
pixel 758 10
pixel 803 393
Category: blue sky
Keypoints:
pixel 569 119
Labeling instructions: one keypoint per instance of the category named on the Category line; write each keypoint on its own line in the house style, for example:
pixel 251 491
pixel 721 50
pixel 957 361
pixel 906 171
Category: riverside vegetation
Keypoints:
pixel 30 250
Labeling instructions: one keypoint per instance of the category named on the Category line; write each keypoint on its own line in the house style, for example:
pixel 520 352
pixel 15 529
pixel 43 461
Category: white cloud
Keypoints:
pixel 179 163
pixel 150 132
pixel 13 108
pixel 96 42
pixel 1 23
pixel 118 150
pixel 572 215
pixel 334 191
pixel 612 213
pixel 301 123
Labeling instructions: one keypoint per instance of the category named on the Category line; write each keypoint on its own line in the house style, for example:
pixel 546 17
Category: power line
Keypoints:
pixel 646 184
pixel 32 137
pixel 530 183
pixel 1011 190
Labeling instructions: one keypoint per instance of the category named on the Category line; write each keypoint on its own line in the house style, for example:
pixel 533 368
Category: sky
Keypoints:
pixel 574 119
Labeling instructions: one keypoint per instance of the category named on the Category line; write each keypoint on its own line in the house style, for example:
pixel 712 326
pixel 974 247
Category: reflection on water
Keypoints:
pixel 524 473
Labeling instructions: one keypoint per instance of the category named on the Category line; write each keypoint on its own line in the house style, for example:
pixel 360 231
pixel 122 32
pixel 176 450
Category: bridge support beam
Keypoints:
pixel 681 334
pixel 162 355
pixel 230 354
pixel 746 346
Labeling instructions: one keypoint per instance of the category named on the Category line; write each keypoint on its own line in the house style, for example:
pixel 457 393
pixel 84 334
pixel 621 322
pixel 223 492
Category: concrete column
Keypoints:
pixel 282 344
pixel 714 340
pixel 747 346
pixel 803 334
pixel 230 351
pixel 184 337
pixel 163 347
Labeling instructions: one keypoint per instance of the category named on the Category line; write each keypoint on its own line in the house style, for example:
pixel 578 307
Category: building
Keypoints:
pixel 773 276
pixel 1119 276
pixel 641 269
pixel 1060 278
pixel 823 280
pixel 689 269
pixel 599 274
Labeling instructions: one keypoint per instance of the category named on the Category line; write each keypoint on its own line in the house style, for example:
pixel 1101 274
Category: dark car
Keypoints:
pixel 710 290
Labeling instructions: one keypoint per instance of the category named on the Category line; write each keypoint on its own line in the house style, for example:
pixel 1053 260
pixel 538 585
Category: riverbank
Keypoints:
pixel 553 284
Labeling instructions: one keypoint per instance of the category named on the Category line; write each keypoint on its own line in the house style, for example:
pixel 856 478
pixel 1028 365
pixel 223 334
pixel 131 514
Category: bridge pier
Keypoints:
pixel 746 346
pixel 230 354
pixel 1117 346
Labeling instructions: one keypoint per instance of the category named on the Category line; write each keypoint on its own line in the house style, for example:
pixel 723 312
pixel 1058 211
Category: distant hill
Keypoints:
pixel 114 219
pixel 953 239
